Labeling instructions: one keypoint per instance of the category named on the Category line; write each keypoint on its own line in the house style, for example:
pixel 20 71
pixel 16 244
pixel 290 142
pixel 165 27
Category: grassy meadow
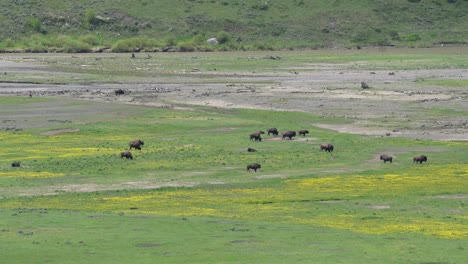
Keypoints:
pixel 186 197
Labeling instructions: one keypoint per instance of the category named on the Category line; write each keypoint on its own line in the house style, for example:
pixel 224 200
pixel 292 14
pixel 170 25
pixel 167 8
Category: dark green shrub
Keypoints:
pixel 223 37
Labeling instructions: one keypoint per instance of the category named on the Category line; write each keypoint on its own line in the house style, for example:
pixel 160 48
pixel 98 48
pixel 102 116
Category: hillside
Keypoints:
pixel 185 25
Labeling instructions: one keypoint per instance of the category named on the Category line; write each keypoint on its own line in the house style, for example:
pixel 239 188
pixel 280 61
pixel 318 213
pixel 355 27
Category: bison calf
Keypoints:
pixel 386 158
pixel 251 150
pixel 126 155
pixel 420 159
pixel 253 166
pixel 303 132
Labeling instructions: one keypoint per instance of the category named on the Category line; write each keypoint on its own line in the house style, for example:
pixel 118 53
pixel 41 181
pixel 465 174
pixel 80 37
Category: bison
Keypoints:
pixel 386 158
pixel 289 134
pixel 303 132
pixel 251 150
pixel 119 92
pixel 126 154
pixel 253 166
pixel 327 147
pixel 420 159
pixel 273 131
pixel 136 144
pixel 15 164
pixel 256 136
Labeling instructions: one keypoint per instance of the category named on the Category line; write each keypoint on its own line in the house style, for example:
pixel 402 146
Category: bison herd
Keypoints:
pixel 256 136
pixel 327 147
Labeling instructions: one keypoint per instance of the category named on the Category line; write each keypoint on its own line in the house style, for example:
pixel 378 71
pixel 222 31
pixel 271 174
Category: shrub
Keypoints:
pixel 262 6
pixel 413 37
pixel 223 37
pixel 34 24
pixel 89 39
pixel 90 17
pixel 71 45
pixel 186 46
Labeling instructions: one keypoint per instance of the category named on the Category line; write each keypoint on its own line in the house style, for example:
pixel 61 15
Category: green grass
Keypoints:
pixel 304 206
pixel 58 26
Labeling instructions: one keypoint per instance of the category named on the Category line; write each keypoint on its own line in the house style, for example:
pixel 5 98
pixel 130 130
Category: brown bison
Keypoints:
pixel 15 164
pixel 126 154
pixel 256 136
pixel 289 134
pixel 386 158
pixel 136 144
pixel 253 166
pixel 420 159
pixel 251 150
pixel 273 131
pixel 303 132
pixel 327 147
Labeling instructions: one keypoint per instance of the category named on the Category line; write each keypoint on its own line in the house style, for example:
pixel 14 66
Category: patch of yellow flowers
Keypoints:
pixel 283 204
pixel 279 204
pixel 29 174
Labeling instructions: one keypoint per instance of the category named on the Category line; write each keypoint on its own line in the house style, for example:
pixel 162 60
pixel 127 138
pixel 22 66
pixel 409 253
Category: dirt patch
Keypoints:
pixel 454 196
pixel 73 188
pixel 330 201
pixel 353 129
pixel 272 176
pixel 59 131
pixel 380 207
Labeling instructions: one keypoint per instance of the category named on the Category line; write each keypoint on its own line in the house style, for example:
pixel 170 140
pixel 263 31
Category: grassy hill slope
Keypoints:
pixel 126 25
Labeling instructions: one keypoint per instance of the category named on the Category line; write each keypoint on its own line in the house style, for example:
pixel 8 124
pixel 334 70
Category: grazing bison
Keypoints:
pixel 386 158
pixel 420 159
pixel 327 147
pixel 126 154
pixel 15 164
pixel 256 136
pixel 303 132
pixel 253 166
pixel 136 144
pixel 273 131
pixel 289 134
pixel 251 150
